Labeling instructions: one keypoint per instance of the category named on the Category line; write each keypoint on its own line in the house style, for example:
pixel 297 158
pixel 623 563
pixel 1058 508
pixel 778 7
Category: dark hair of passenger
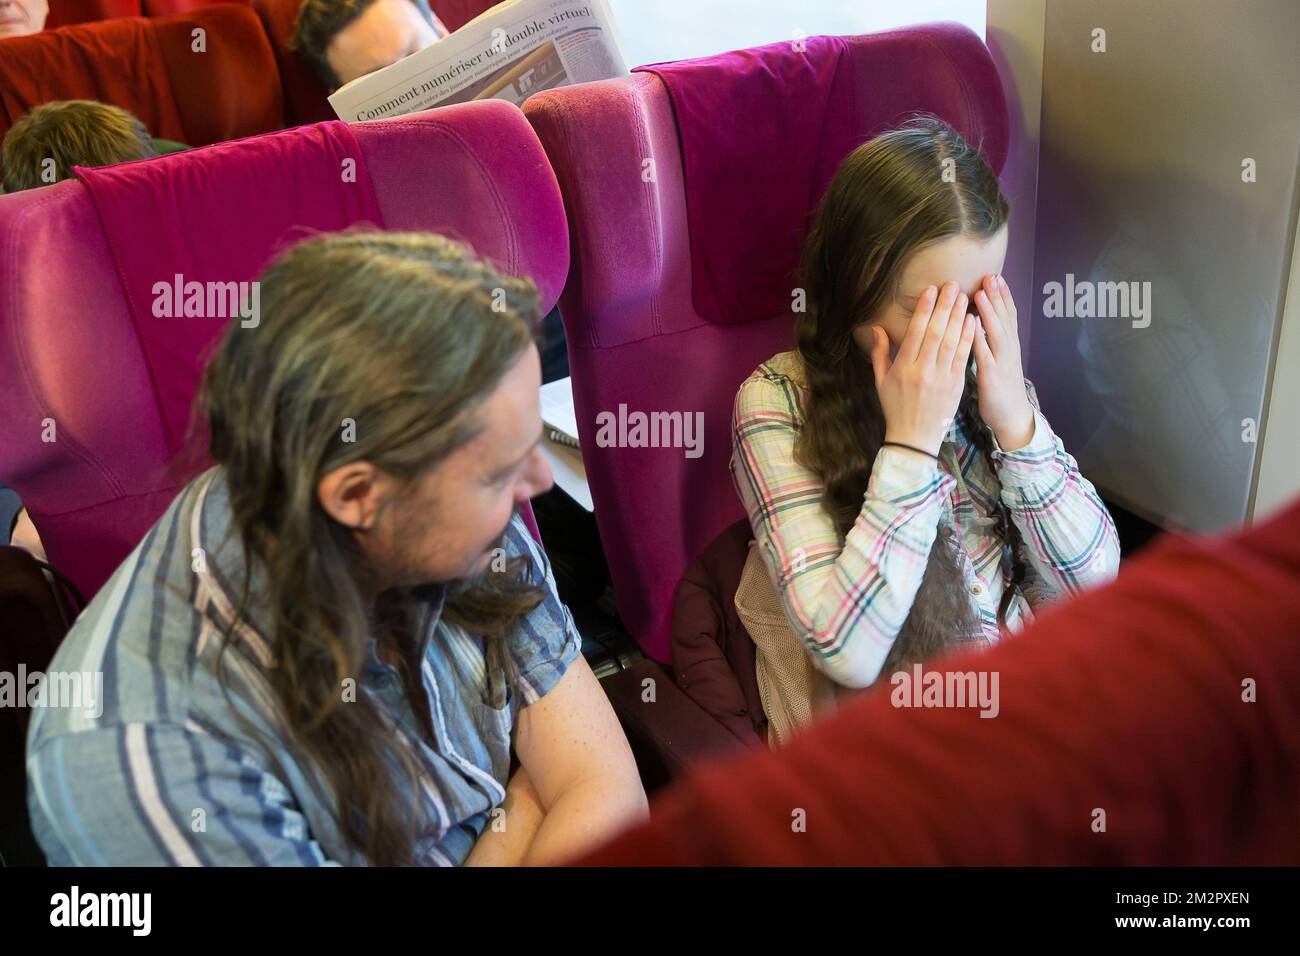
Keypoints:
pixel 43 146
pixel 318 23
pixel 887 200
pixel 397 332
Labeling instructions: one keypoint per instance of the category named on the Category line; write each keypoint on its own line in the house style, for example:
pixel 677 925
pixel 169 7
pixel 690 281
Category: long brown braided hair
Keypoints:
pixel 888 199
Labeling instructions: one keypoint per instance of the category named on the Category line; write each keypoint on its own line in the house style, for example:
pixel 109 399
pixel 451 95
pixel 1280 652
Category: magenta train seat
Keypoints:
pixel 147 211
pixel 72 362
pixel 635 336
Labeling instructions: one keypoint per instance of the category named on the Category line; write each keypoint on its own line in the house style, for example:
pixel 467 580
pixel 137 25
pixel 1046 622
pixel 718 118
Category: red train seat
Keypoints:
pixel 65 13
pixel 194 91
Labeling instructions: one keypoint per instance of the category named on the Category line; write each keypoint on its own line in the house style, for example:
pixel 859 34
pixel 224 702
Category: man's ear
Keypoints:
pixel 351 494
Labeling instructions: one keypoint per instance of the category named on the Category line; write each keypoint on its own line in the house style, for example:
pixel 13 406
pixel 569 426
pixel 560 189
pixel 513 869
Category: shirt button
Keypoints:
pixel 976 589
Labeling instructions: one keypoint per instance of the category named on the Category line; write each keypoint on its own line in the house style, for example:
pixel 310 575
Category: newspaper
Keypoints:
pixel 510 52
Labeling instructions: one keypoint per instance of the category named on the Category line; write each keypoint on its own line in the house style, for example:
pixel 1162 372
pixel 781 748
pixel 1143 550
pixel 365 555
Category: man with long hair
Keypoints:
pixel 334 642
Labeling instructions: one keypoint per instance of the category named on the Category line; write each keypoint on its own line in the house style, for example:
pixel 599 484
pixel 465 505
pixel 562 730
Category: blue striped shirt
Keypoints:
pixel 162 770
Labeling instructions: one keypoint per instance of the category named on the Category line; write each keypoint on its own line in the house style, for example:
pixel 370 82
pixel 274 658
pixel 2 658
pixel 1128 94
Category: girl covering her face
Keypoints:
pixel 906 493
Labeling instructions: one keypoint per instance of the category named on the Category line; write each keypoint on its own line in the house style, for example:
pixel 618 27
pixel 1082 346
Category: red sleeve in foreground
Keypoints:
pixel 1123 707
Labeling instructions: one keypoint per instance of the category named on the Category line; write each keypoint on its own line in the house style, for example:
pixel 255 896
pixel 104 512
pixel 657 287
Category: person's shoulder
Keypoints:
pixel 776 387
pixel 164 146
pixel 543 648
pixel 154 564
pixel 783 367
pixel 518 541
pixel 134 636
pixel 518 537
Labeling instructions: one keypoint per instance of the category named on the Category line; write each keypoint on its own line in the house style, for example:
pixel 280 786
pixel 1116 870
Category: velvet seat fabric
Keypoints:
pixel 85 440
pixel 67 12
pixel 149 211
pixel 151 69
pixel 1151 722
pixel 305 97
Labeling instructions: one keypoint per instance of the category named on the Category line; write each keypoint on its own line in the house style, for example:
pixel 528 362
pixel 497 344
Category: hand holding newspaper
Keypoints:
pixel 509 53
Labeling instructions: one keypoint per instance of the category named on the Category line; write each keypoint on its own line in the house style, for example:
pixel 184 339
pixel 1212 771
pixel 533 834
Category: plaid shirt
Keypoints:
pixel 848 597
pixel 170 772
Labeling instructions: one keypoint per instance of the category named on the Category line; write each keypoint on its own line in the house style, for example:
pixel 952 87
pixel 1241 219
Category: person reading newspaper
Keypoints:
pixel 515 49
pixel 345 39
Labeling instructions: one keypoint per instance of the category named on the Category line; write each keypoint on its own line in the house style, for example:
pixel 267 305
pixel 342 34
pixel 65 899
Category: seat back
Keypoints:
pixel 635 336
pixel 36 613
pixel 454 14
pixel 170 8
pixel 196 93
pixel 305 97
pixel 67 12
pixel 85 437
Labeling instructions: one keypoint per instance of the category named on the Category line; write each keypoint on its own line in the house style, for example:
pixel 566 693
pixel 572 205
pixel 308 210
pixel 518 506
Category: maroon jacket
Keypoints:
pixel 713 655
pixel 1127 734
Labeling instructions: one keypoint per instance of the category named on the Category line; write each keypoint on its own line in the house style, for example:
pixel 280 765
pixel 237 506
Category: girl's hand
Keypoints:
pixel 920 389
pixel 1004 405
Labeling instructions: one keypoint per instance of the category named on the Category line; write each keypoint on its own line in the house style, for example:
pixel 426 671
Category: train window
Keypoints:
pixel 678 29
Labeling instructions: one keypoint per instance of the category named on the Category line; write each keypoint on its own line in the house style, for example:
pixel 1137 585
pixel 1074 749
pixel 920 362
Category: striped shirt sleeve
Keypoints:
pixel 1069 539
pixel 162 794
pixel 546 641
pixel 846 600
